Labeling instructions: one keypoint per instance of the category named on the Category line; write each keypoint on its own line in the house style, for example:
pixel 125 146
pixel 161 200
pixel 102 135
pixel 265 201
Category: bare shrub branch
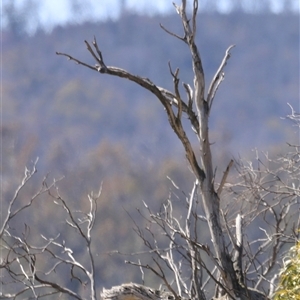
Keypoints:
pixel 29 268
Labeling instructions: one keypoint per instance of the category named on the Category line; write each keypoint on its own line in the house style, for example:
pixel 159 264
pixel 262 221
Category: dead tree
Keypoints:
pixel 229 275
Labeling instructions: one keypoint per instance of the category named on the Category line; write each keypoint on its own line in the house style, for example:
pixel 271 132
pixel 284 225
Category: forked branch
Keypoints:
pixel 218 78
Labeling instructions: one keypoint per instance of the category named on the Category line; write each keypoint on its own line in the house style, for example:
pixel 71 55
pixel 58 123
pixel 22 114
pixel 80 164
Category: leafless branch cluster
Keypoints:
pixel 294 116
pixel 260 217
pixel 267 195
pixel 29 268
pixel 260 214
pixel 180 259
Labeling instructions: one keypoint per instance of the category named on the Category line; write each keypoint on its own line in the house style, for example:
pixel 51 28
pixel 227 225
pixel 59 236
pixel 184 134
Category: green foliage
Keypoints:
pixel 289 283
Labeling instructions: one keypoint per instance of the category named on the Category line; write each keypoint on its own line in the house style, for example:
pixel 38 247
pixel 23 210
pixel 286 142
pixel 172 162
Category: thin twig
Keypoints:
pixel 224 178
pixel 173 34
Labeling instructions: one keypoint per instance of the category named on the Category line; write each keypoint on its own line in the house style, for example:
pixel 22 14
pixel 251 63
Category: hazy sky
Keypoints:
pixel 50 13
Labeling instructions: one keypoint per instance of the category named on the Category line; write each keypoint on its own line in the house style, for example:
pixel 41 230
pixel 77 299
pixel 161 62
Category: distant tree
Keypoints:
pixel 19 18
pixel 250 214
pixel 14 18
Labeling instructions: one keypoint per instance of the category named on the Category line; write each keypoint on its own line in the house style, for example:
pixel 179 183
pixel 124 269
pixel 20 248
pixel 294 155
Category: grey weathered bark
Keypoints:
pixel 133 291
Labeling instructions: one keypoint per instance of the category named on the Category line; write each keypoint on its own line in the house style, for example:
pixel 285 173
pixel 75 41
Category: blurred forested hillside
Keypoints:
pixel 89 127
